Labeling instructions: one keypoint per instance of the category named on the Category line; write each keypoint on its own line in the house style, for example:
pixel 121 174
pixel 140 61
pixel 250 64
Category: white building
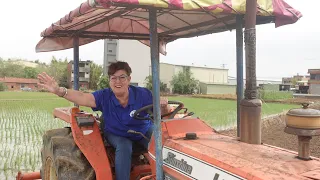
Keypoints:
pixel 138 57
pixel 233 81
pixel 135 53
pixel 203 74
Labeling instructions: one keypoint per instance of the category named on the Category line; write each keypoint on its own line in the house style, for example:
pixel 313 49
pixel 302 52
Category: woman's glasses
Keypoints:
pixel 121 78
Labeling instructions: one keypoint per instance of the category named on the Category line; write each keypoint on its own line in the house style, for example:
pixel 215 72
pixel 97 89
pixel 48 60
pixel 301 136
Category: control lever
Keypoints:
pixel 189 114
pixel 136 132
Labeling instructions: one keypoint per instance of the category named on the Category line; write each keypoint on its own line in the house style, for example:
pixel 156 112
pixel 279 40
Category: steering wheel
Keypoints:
pixel 148 109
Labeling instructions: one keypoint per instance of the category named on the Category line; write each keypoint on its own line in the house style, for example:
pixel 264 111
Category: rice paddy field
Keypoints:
pixel 25 116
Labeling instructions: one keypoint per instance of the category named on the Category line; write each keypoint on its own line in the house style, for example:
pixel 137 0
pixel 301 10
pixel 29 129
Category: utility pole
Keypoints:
pixel 250 110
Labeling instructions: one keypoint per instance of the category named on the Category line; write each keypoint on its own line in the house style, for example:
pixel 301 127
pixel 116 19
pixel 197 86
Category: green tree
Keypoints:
pixel 3 87
pixel 63 81
pixel 30 72
pixel 95 74
pixel 54 59
pixel 103 82
pixel 42 67
pixel 2 64
pixel 58 69
pixel 9 69
pixel 148 83
pixel 183 82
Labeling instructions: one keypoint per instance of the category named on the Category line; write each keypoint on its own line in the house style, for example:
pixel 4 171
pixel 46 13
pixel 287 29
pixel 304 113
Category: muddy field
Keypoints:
pixel 273 134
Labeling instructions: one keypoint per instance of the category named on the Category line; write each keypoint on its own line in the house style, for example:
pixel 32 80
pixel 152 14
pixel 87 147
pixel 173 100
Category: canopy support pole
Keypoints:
pixel 250 106
pixel 239 42
pixel 76 64
pixel 154 46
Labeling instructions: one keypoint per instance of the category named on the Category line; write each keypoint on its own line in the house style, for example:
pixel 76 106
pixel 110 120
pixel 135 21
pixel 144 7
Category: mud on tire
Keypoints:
pixel 61 154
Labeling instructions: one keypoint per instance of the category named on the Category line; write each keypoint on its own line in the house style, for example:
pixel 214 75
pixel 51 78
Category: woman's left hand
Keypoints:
pixel 164 105
pixel 163 101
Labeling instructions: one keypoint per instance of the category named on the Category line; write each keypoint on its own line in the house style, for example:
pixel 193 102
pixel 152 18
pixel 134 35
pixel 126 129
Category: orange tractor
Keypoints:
pixel 191 150
pixel 182 147
pixel 79 151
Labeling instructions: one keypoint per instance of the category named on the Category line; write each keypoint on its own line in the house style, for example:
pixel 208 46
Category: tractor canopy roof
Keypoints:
pixel 128 19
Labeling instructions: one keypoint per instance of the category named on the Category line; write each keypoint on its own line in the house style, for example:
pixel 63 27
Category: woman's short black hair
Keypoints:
pixel 119 65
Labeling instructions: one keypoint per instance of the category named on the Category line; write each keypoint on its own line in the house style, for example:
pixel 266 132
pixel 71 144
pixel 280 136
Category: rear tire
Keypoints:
pixel 62 159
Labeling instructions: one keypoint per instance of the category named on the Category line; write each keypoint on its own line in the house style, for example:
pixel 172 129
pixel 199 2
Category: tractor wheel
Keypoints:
pixel 62 159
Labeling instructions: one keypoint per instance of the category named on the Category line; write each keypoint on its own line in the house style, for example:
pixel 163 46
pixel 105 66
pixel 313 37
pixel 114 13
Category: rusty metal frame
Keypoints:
pixel 98 35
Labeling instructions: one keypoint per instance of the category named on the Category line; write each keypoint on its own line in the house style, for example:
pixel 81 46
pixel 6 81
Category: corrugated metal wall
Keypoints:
pixel 217 88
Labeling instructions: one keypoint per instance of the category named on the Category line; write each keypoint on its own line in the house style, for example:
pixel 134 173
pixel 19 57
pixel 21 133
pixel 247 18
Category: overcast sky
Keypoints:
pixel 283 51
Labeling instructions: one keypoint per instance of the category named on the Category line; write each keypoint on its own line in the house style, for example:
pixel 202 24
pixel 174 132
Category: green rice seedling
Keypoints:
pixel 17 159
pixel 5 165
pixel 2 161
pixel 275 95
pixel 223 113
pixel 34 165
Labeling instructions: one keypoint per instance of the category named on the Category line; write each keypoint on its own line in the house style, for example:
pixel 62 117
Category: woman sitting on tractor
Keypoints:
pixel 117 104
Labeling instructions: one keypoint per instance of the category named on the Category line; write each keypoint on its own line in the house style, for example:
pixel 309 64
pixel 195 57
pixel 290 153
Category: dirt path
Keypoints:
pixel 273 134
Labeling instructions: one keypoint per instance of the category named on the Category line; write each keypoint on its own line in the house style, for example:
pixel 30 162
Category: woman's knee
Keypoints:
pixel 124 146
